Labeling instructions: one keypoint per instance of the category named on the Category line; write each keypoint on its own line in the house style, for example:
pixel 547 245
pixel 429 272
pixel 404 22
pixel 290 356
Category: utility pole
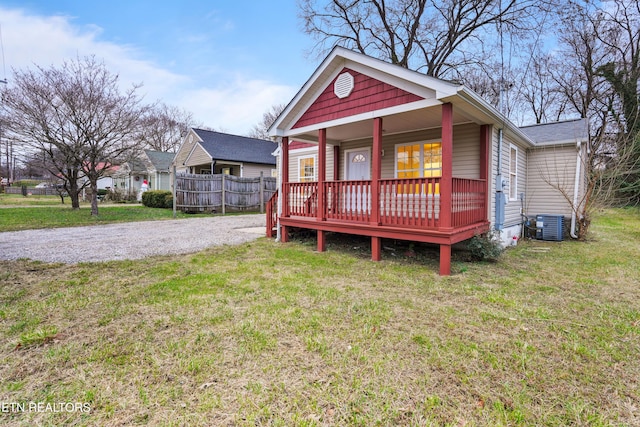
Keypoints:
pixel 8 173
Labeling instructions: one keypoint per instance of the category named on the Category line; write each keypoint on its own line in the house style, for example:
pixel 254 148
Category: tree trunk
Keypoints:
pixel 74 194
pixel 94 197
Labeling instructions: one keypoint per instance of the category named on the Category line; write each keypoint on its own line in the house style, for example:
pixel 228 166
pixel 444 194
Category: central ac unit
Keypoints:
pixel 549 227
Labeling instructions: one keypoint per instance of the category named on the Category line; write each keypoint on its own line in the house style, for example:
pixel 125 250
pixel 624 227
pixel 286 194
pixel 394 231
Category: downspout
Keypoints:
pixel 576 184
pixel 500 198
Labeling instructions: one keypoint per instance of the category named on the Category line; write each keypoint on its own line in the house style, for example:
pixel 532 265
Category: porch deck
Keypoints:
pixel 406 209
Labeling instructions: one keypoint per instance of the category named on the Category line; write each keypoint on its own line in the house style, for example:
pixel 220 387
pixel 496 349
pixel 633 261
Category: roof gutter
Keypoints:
pixel 475 100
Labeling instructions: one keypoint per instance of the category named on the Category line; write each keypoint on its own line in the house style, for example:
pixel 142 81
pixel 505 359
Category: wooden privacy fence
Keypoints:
pixel 199 193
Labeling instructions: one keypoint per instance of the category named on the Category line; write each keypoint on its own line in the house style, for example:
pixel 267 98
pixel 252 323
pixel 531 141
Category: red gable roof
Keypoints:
pixel 368 94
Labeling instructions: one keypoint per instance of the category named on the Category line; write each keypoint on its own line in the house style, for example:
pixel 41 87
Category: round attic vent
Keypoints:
pixel 343 85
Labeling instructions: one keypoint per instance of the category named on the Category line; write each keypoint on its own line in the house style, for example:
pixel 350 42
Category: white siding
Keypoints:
pixel 296 154
pixel 512 211
pixel 466 149
pixel 183 153
pixel 161 181
pixel 252 170
pixel 493 164
pixel 551 179
pixel 199 157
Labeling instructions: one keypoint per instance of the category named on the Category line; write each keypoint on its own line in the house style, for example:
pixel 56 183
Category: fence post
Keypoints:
pixel 223 195
pixel 261 192
pixel 173 189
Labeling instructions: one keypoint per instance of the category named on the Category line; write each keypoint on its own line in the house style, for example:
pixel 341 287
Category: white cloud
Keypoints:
pixel 229 100
pixel 238 106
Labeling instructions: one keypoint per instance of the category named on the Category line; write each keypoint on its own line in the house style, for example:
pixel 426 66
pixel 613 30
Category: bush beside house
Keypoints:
pixel 157 199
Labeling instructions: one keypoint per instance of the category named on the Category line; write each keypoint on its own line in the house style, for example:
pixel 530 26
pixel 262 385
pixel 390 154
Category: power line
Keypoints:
pixel 4 67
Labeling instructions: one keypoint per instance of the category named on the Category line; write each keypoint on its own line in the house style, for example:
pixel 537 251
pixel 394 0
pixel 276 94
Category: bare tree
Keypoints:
pixel 261 130
pixel 431 36
pixel 620 35
pixel 77 116
pixel 598 76
pixel 164 127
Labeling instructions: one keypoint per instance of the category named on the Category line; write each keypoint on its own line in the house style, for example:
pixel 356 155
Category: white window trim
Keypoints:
pixel 421 143
pixel 315 167
pixel 513 175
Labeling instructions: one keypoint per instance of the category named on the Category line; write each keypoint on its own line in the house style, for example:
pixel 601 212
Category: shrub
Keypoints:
pixel 119 196
pixel 168 201
pixel 157 199
pixel 485 247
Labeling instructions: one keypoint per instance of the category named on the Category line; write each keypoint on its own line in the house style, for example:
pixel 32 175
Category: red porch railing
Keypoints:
pixel 348 200
pixel 271 211
pixel 468 202
pixel 411 203
pixel 303 198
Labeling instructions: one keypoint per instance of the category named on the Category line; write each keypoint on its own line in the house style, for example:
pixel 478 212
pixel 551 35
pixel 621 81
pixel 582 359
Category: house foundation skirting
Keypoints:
pixel 443 237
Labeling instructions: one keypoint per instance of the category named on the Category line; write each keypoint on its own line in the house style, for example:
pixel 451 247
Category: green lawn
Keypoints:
pixel 20 200
pixel 278 334
pixel 23 213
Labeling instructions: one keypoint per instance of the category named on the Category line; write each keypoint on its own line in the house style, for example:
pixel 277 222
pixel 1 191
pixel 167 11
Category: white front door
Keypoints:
pixel 358 168
pixel 358 165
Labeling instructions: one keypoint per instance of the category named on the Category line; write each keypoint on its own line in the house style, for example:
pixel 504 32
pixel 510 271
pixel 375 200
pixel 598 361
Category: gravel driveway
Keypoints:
pixel 132 240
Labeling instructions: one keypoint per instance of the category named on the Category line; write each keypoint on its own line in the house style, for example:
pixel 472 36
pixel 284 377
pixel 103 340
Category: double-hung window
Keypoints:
pixel 513 173
pixel 307 168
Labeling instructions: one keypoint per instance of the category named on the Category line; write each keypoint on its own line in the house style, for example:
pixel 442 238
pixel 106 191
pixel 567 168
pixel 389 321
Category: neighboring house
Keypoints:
pixel 209 152
pixel 153 166
pixel 374 149
pixel 105 182
pixel 159 169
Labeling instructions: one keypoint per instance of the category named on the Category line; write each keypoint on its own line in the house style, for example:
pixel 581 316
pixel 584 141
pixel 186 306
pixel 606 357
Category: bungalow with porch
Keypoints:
pixel 209 152
pixel 370 148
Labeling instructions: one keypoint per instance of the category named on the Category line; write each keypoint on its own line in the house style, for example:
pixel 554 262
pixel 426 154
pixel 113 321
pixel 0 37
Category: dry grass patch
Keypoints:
pixel 273 334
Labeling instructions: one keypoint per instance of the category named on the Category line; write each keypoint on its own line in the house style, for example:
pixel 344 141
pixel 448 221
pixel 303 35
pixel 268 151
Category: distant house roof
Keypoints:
pixel 223 146
pixel 136 165
pixel 160 160
pixel 565 132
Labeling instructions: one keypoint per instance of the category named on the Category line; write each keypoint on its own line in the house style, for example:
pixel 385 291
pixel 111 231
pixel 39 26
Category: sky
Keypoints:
pixel 225 61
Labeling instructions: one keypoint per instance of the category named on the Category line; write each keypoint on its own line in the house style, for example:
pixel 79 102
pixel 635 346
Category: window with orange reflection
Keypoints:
pixel 423 160
pixel 307 169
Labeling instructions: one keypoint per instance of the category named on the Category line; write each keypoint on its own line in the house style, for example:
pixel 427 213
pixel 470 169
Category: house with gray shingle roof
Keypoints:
pixel 152 166
pixel 210 152
pixel 158 164
pixel 373 149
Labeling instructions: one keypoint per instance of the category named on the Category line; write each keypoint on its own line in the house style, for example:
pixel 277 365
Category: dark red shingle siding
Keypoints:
pixel 368 95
